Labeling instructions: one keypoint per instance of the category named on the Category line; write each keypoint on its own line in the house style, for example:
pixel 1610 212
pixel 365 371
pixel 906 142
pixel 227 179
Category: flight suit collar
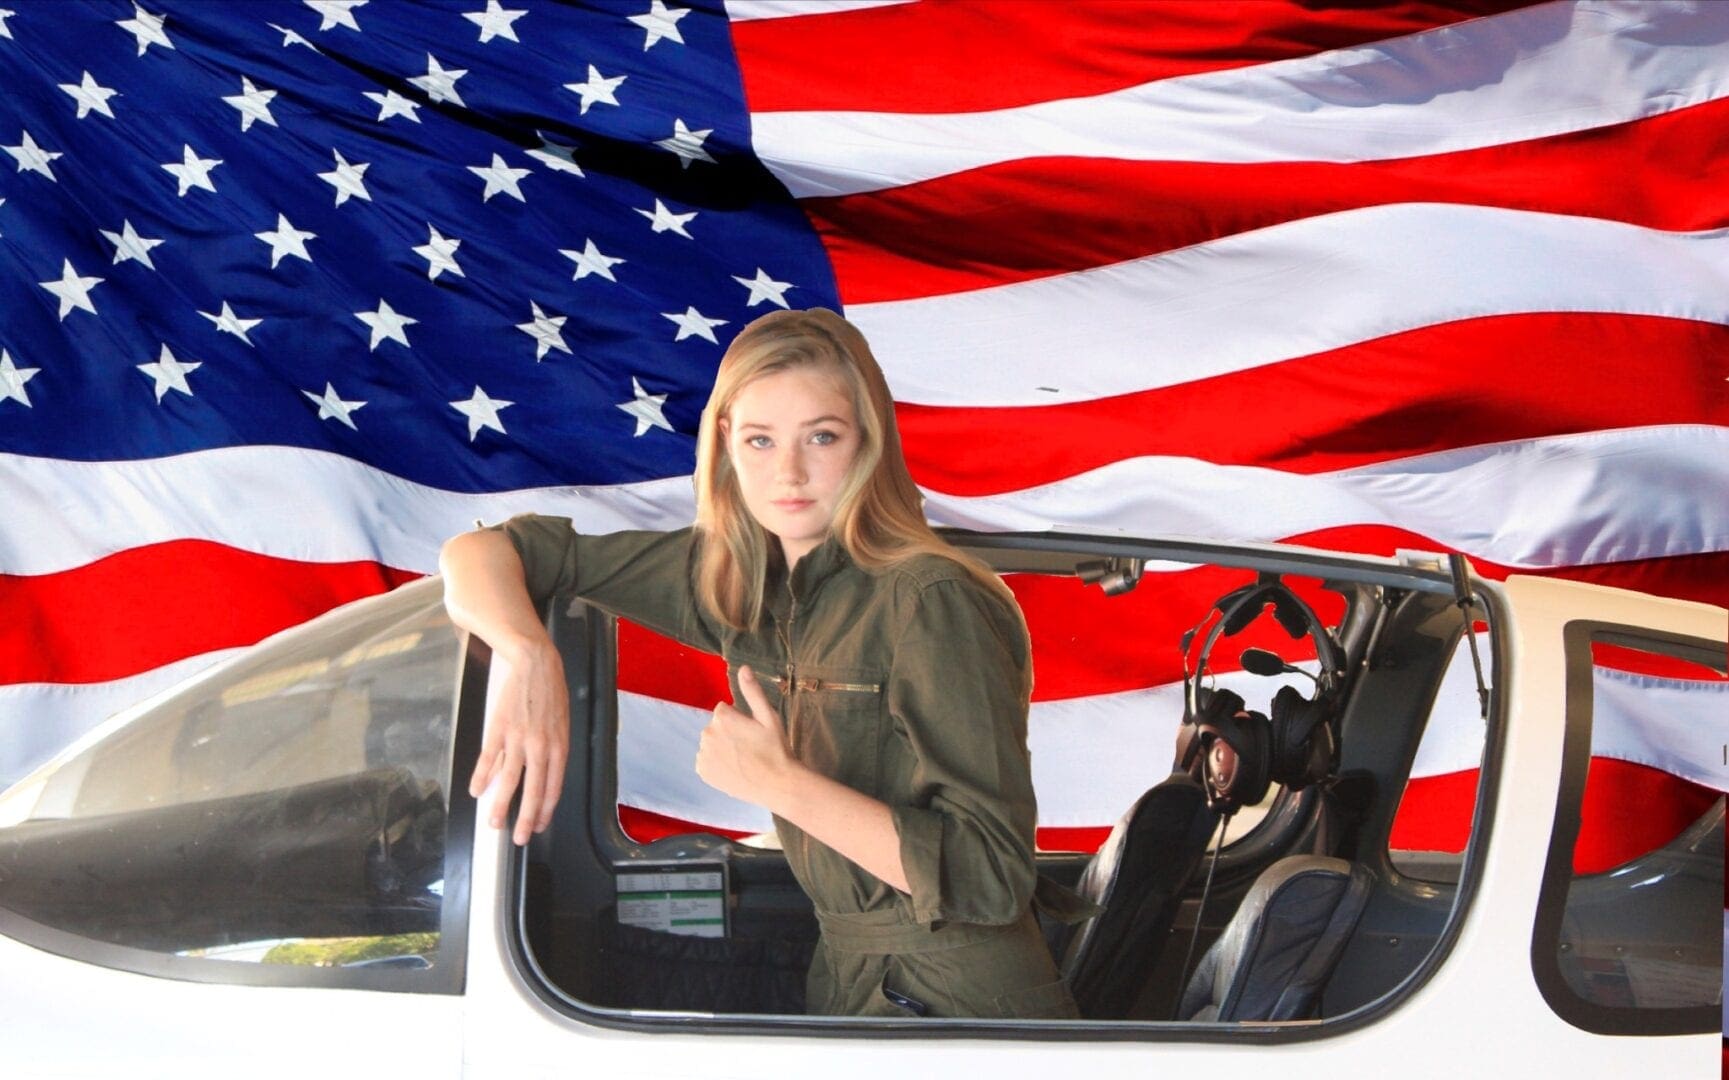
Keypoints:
pixel 817 566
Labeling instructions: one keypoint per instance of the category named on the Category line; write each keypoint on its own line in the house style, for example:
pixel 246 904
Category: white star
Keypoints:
pixel 440 254
pixel 555 156
pixel 440 83
pixel 192 171
pixel 147 28
pixel 169 373
pixel 129 245
pixel 694 323
pixel 661 22
pixel 663 219
pixel 33 157
pixel 336 13
pixel 597 88
pixel 230 323
pixel 347 179
pixel 285 239
pixel 386 323
pixel 12 380
pixel 500 177
pixel 5 13
pixel 646 408
pixel 390 103
pixel 495 21
pixel 331 407
pixel 292 37
pixel 73 291
pixel 687 144
pixel 253 103
pixel 90 96
pixel 763 288
pixel 482 412
pixel 590 261
pixel 544 329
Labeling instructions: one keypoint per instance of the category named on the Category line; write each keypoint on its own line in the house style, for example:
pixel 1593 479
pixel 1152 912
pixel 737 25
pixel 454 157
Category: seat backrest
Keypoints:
pixel 1138 878
pixel 1276 953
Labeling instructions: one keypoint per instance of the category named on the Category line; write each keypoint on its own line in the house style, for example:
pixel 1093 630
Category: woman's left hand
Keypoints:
pixel 745 754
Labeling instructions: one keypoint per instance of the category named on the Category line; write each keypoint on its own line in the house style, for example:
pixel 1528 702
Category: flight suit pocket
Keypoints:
pixel 834 725
pixel 1051 1001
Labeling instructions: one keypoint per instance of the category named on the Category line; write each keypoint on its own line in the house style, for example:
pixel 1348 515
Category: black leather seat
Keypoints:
pixel 1138 878
pixel 1278 950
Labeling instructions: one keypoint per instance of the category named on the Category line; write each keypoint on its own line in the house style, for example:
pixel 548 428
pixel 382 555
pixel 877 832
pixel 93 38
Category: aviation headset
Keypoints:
pixel 1236 758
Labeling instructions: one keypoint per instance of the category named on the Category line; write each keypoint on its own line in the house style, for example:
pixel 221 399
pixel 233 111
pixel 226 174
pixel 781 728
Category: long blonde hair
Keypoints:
pixel 879 513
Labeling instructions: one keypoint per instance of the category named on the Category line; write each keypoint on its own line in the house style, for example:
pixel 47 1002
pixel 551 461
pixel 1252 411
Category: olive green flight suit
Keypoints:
pixel 910 685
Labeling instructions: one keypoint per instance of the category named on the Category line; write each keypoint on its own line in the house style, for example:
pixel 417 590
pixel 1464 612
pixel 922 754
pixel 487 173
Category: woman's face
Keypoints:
pixel 792 436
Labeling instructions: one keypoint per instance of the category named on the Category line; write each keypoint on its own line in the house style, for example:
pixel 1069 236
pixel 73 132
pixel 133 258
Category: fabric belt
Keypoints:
pixel 883 931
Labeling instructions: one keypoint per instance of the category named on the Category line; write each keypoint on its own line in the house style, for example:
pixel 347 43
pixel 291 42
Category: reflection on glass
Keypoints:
pixel 290 810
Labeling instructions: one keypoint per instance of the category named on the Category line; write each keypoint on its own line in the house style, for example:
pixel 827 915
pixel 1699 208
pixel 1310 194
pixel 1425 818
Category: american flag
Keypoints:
pixel 292 291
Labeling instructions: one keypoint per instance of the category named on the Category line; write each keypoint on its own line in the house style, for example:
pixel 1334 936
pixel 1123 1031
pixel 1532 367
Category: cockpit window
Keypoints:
pixel 289 811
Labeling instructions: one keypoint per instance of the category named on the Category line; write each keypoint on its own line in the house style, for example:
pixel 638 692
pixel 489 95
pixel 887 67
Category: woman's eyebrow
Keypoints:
pixel 831 419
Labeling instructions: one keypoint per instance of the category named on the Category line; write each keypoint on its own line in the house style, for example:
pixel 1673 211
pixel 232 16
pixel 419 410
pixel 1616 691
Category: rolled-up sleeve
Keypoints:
pixel 958 689
pixel 643 576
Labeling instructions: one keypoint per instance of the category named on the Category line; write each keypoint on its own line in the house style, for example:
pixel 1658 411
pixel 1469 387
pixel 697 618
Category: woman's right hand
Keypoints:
pixel 527 736
pixel 528 724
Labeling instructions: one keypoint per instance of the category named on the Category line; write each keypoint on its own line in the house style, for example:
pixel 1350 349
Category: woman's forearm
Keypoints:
pixel 485 592
pixel 849 821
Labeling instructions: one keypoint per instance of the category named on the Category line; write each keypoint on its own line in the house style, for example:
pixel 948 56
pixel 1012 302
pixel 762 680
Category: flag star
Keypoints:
pixel 545 330
pixel 12 380
pixel 292 37
pixel 590 261
pixel 440 254
pixel 500 177
pixel 663 219
pixel 253 103
pixel 495 21
pixel 482 412
pixel 33 157
pixel 646 408
pixel 687 144
pixel 694 323
pixel 147 28
pixel 556 156
pixel 6 13
pixel 660 21
pixel 440 82
pixel 192 171
pixel 90 96
pixel 347 179
pixel 390 103
pixel 386 323
pixel 285 239
pixel 169 373
pixel 597 88
pixel 129 245
pixel 230 323
pixel 763 287
pixel 73 291
pixel 331 407
pixel 336 13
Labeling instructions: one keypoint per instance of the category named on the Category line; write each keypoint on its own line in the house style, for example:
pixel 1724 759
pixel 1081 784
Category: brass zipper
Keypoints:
pixel 809 684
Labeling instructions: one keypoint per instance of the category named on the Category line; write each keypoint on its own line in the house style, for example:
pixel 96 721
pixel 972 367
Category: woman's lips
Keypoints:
pixel 791 505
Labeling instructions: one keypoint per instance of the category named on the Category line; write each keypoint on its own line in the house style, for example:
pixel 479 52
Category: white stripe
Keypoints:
pixel 1562 501
pixel 1294 289
pixel 1527 74
pixel 38 720
pixel 1669 724
pixel 751 10
pixel 1565 500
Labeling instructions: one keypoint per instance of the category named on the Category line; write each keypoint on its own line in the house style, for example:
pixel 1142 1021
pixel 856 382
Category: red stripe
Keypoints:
pixel 148 606
pixel 1033 218
pixel 1465 383
pixel 1626 811
pixel 948 56
pixel 1086 643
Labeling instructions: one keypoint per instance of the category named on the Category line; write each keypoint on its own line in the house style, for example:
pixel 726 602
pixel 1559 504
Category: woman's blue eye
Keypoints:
pixel 758 441
pixel 823 438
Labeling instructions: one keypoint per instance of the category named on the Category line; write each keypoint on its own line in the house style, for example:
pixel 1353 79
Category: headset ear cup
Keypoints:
pixel 1289 754
pixel 1255 773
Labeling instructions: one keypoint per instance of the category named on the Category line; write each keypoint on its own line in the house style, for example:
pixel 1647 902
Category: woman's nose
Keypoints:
pixel 789 466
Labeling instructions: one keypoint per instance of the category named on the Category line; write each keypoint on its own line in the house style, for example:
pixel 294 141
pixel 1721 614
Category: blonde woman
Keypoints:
pixel 880 678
